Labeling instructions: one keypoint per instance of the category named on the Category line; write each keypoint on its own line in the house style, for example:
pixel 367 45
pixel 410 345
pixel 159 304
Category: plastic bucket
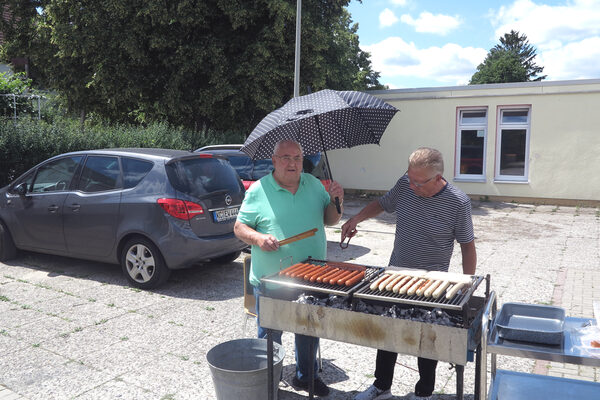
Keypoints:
pixel 239 369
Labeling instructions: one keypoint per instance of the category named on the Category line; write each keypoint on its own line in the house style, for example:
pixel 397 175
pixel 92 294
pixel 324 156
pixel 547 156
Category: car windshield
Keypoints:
pixel 242 165
pixel 200 176
pixel 261 168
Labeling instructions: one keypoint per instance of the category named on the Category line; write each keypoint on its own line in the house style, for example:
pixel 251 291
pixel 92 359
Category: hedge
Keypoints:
pixel 27 142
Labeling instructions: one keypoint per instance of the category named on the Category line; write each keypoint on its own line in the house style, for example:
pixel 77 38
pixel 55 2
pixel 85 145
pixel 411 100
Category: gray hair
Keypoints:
pixel 426 157
pixel 287 141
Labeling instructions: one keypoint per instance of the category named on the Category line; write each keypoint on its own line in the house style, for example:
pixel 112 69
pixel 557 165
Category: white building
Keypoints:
pixel 531 141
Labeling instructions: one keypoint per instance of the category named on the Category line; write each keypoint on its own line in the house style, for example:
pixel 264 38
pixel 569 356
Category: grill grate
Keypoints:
pixel 338 290
pixel 455 303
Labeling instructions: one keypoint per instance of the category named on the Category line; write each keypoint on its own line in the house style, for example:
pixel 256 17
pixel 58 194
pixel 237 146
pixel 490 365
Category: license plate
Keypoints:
pixel 226 215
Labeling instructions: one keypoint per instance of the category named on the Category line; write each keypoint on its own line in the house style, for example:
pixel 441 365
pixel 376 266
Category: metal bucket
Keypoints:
pixel 239 369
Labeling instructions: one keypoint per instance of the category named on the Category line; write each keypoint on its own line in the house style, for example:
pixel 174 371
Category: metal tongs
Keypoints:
pixel 350 236
pixel 299 236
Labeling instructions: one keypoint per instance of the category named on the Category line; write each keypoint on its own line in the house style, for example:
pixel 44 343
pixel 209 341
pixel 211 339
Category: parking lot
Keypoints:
pixel 75 329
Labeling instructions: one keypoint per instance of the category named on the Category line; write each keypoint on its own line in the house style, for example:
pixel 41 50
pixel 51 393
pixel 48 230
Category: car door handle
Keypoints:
pixel 75 207
pixel 53 208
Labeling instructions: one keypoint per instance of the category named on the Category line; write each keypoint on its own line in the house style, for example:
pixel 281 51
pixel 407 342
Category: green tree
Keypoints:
pixel 220 64
pixel 513 60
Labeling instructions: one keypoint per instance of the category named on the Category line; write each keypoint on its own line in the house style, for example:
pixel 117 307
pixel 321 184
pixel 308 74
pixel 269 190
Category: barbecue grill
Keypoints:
pixel 454 344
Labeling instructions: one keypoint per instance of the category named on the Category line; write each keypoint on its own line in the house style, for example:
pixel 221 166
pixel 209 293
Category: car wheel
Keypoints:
pixel 227 258
pixel 7 246
pixel 143 264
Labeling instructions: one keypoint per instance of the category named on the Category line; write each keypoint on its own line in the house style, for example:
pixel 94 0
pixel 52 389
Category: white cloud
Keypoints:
pixel 429 23
pixel 387 18
pixel 448 65
pixel 566 37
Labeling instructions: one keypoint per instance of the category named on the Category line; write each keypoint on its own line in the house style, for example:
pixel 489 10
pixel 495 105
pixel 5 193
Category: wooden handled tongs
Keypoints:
pixel 299 236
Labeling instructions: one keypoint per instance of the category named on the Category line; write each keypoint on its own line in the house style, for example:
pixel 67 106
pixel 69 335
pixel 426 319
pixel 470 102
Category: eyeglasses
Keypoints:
pixel 418 184
pixel 289 159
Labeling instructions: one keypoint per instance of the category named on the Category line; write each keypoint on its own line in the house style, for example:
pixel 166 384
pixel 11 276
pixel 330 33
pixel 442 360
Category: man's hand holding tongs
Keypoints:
pixel 348 231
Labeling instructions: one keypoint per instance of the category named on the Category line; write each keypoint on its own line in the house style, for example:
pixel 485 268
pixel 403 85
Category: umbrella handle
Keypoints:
pixel 337 205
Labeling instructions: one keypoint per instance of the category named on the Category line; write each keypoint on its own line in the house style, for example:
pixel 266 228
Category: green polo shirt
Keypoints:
pixel 269 208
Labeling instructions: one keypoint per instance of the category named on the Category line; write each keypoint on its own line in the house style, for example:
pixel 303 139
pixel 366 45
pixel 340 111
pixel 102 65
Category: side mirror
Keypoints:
pixel 21 189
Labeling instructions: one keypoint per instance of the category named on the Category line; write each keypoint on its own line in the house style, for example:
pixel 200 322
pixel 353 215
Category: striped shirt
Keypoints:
pixel 426 227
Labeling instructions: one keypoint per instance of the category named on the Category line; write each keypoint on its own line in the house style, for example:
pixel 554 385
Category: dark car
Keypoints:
pixel 252 170
pixel 150 210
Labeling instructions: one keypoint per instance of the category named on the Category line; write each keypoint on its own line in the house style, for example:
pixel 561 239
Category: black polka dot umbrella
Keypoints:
pixel 322 121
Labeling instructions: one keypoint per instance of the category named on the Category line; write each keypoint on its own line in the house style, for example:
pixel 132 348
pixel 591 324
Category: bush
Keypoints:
pixel 28 141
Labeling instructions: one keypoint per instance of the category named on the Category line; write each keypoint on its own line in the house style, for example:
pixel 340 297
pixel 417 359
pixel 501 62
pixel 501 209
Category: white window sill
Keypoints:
pixel 475 180
pixel 507 181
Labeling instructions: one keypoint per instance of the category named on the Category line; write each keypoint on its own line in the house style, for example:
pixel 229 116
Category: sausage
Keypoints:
pixel 342 278
pixel 452 292
pixel 402 282
pixel 413 289
pixel 438 292
pixel 324 278
pixel 352 275
pixel 408 285
pixel 421 289
pixel 378 281
pixel 384 282
pixel 308 273
pixel 289 270
pixel 355 279
pixel 393 282
pixel 321 272
pixel 298 267
pixel 333 278
pixel 429 291
pixel 300 271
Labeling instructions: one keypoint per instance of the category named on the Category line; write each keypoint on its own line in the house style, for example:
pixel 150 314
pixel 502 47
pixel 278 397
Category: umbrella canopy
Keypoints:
pixel 322 121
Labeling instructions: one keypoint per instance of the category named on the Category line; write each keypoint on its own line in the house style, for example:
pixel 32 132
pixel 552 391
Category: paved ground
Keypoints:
pixel 74 329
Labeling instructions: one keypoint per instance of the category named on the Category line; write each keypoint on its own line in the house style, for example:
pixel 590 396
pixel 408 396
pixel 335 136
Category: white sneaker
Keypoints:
pixel 372 393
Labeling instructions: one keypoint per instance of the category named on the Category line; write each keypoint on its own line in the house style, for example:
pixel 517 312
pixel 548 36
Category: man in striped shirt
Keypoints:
pixel 430 214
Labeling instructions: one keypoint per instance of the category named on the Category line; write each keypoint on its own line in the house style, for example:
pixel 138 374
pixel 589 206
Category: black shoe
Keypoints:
pixel 321 389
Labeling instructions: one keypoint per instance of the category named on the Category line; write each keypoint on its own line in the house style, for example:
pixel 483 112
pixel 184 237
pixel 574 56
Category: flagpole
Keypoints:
pixel 297 57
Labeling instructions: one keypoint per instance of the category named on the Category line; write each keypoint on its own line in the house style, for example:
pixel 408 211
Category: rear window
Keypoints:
pixel 134 171
pixel 200 176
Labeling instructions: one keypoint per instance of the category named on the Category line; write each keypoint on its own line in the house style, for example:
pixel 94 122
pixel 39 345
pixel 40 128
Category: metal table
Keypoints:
pixel 523 386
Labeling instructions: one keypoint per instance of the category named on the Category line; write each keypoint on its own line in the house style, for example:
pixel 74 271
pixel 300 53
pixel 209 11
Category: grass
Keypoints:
pixel 4 298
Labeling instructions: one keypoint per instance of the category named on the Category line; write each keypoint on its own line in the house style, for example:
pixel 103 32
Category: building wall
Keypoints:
pixel 564 147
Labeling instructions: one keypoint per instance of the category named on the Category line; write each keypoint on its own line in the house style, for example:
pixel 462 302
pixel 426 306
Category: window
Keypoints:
pixel 512 146
pixel 471 143
pixel 55 175
pixel 134 171
pixel 100 173
pixel 200 176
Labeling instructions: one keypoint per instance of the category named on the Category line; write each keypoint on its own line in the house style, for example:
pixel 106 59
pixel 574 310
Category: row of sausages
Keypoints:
pixel 421 286
pixel 324 274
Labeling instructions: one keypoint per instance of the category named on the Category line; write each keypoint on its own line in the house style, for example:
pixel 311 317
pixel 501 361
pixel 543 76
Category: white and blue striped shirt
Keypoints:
pixel 426 227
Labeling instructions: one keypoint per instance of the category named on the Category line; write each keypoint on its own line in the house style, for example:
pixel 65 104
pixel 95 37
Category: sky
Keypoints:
pixel 433 43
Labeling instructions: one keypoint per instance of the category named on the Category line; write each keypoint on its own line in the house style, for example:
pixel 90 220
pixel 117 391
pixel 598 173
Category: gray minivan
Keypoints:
pixel 150 210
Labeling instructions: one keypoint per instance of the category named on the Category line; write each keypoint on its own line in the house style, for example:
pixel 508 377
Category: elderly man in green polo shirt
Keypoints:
pixel 283 204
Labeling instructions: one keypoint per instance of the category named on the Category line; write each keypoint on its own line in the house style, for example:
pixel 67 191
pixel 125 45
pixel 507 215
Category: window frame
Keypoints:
pixel 460 126
pixel 500 126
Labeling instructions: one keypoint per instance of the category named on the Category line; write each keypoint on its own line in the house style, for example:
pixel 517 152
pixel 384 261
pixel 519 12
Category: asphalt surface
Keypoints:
pixel 72 329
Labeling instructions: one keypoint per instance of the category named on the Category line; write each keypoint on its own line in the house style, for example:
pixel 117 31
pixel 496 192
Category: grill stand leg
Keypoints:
pixel 311 382
pixel 270 365
pixel 460 376
pixel 477 372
